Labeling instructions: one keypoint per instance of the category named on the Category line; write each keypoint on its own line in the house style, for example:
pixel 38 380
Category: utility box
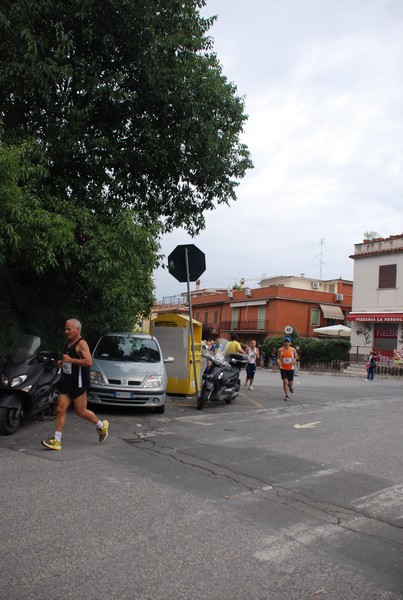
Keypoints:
pixel 173 333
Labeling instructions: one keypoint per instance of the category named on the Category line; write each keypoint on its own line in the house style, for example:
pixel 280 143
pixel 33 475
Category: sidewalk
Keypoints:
pixel 356 371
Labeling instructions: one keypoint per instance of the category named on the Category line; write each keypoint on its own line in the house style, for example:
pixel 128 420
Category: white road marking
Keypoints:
pixel 387 502
pixel 308 425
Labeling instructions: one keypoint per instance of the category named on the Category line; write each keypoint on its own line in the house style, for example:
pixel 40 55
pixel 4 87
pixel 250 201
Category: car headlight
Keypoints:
pixel 96 378
pixel 154 381
pixel 4 379
pixel 18 380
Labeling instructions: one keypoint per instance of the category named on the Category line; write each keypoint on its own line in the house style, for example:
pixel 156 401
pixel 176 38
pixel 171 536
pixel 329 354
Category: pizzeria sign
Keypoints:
pixel 376 317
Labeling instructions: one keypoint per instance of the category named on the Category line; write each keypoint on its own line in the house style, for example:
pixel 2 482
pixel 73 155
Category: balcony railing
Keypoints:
pixel 171 300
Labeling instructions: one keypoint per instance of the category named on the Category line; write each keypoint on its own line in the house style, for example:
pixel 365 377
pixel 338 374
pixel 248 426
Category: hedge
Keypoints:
pixel 311 349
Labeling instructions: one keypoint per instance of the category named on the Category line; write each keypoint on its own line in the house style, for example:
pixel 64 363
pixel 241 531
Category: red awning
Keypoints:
pixel 376 317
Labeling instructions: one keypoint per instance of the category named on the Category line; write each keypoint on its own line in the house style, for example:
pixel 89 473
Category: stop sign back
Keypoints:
pixel 177 262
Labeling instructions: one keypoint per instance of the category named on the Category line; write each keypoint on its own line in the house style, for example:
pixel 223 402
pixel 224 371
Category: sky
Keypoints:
pixel 323 88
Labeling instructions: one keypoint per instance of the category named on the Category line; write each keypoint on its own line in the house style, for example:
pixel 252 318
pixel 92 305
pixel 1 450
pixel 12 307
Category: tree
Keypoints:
pixel 207 331
pixel 129 103
pixel 58 260
pixel 117 124
pixel 371 235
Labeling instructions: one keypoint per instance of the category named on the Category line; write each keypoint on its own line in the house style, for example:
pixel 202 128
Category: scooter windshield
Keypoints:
pixel 25 346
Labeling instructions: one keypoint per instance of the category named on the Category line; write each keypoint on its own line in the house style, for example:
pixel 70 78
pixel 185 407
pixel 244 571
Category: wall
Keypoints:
pixel 366 295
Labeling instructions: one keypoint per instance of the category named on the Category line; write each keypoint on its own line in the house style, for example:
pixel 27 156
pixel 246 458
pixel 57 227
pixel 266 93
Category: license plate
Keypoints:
pixel 123 394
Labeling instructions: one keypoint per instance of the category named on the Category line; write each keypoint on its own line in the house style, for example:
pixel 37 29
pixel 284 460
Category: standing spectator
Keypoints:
pixel 253 356
pixel 273 358
pixel 298 361
pixel 215 346
pixel 371 366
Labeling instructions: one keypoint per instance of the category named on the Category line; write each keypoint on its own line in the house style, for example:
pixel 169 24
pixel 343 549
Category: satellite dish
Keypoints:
pixel 288 329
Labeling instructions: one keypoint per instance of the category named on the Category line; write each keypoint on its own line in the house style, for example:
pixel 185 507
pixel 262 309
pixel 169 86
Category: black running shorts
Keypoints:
pixel 73 393
pixel 287 374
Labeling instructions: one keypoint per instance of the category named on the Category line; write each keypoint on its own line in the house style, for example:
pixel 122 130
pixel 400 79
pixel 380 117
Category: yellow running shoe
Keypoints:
pixel 52 444
pixel 103 433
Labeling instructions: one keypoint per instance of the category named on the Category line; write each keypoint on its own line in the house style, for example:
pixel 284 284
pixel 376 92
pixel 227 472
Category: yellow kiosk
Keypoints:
pixel 173 333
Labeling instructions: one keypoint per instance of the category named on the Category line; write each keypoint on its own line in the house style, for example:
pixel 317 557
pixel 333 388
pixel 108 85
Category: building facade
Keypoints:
pixel 299 302
pixel 377 308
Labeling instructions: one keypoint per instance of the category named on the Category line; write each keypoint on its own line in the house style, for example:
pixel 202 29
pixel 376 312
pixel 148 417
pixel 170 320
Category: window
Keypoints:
pixel 260 317
pixel 127 348
pixel 206 317
pixel 315 314
pixel 387 276
pixel 215 316
pixel 197 316
pixel 234 321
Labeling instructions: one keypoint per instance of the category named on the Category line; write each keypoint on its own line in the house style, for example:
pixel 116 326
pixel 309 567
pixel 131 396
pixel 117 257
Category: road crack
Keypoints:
pixel 349 519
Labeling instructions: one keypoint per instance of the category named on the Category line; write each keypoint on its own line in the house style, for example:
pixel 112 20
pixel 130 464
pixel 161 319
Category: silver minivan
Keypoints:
pixel 128 369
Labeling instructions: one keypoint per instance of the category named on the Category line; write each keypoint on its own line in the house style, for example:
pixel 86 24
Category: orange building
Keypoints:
pixel 256 313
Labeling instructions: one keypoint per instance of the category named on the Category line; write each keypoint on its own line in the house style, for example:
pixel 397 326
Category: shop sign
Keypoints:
pixel 390 356
pixel 385 333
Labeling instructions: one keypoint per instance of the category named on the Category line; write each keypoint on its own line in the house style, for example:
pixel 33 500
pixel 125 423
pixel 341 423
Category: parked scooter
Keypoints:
pixel 221 378
pixel 28 381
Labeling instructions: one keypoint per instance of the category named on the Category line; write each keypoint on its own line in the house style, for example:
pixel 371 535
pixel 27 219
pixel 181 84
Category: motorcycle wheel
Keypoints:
pixel 236 391
pixel 10 420
pixel 202 399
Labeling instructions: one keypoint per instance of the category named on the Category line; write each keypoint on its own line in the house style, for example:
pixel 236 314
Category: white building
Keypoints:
pixel 377 307
pixel 333 286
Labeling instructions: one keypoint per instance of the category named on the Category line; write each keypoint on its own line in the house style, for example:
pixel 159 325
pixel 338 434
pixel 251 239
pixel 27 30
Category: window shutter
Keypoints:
pixel 387 276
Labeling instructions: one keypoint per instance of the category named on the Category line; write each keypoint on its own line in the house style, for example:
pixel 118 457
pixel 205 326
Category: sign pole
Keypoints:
pixel 187 263
pixel 191 322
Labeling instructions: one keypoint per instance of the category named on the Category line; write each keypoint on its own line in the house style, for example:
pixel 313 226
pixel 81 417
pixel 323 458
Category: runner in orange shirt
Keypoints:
pixel 286 359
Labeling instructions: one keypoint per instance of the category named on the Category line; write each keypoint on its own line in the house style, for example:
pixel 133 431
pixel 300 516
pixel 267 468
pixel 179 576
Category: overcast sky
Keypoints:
pixel 323 86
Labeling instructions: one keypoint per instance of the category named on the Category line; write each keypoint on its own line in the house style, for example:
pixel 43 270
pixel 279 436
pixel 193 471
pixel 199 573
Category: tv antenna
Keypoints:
pixel 321 253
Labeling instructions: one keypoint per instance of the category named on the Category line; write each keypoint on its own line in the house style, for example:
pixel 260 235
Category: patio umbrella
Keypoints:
pixel 334 330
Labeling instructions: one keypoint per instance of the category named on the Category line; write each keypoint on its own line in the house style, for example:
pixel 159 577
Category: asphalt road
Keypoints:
pixel 262 499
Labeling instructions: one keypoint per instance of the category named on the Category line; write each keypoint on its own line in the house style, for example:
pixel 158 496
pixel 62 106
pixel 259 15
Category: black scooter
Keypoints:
pixel 28 383
pixel 221 378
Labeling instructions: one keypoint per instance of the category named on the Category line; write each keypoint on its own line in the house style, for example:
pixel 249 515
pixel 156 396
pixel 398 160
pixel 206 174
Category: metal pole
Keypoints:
pixel 191 322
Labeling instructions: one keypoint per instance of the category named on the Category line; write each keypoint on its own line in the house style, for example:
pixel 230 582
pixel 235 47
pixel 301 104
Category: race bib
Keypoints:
pixel 67 368
pixel 287 360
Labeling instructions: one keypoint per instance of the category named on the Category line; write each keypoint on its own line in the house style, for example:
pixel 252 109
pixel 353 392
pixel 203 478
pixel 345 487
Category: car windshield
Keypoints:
pixel 127 348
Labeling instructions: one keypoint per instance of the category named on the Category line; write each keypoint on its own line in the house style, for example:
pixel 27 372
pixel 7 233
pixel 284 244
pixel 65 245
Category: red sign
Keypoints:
pixel 385 333
pixel 386 356
pixel 376 317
